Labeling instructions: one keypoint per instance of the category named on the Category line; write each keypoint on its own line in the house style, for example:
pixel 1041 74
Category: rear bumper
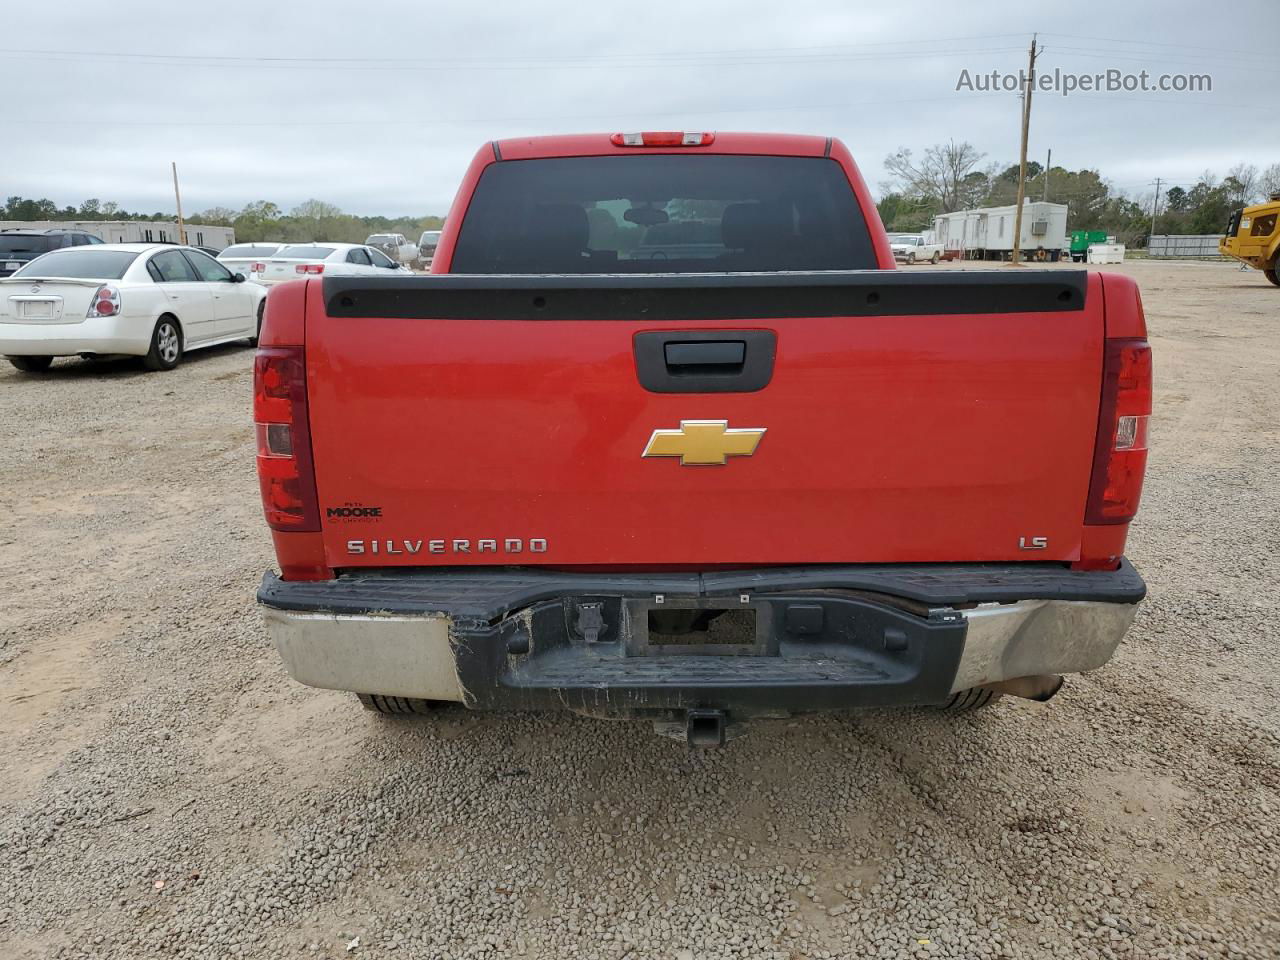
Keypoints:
pixel 824 638
pixel 99 335
pixel 1258 252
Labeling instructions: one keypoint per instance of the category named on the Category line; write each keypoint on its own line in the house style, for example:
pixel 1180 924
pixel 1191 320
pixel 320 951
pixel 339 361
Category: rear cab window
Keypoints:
pixel 80 264
pixel 663 213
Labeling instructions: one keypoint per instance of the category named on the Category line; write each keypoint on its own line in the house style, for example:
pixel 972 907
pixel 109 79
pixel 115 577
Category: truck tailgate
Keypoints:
pixel 907 417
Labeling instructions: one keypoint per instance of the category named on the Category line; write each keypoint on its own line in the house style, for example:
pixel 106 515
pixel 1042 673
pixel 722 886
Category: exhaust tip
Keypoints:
pixel 1039 687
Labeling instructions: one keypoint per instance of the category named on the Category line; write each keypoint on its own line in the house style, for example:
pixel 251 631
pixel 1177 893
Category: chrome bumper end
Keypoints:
pixel 1030 637
pixel 400 656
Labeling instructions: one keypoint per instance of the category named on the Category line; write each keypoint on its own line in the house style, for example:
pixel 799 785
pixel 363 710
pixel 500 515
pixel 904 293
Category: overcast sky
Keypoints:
pixel 378 106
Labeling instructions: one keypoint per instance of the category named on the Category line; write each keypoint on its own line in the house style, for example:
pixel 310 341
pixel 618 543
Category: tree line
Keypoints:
pixel 946 177
pixel 951 176
pixel 261 220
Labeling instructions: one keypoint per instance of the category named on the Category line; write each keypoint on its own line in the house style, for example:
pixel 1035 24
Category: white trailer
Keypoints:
pixel 987 232
pixel 134 231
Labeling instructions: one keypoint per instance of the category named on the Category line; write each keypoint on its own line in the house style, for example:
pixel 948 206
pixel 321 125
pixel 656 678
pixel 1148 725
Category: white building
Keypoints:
pixel 987 232
pixel 134 231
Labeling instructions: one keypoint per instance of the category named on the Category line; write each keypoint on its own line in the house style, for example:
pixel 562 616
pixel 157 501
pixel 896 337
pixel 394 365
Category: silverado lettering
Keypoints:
pixel 359 547
pixel 611 326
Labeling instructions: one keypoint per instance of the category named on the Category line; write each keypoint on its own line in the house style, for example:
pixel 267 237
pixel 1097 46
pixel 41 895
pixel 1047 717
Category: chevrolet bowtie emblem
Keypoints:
pixel 702 442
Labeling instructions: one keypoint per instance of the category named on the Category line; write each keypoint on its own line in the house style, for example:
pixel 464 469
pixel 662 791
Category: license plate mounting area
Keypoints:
pixel 35 309
pixel 702 626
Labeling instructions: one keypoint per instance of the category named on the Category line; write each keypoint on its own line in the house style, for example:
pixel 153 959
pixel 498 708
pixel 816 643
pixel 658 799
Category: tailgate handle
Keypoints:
pixel 718 361
pixel 686 358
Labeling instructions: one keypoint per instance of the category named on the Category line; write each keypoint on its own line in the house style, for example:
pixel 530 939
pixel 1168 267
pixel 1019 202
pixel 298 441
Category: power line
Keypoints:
pixel 604 116
pixel 603 58
pixel 1082 52
pixel 505 64
pixel 1197 102
pixel 1153 43
pixel 1147 183
pixel 525 118
pixel 743 56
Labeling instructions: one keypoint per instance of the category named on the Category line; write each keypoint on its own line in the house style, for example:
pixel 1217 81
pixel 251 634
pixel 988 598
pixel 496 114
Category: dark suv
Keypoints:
pixel 18 247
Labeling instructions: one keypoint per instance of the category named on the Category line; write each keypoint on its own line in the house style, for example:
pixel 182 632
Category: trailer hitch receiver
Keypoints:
pixel 705 728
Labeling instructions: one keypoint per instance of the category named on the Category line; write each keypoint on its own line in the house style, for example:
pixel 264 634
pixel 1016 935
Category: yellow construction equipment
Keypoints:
pixel 1253 238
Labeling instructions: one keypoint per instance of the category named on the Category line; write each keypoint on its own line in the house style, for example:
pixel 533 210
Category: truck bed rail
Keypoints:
pixel 487 594
pixel 706 296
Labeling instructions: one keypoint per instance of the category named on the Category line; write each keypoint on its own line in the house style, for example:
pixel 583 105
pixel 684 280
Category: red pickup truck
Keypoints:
pixel 735 468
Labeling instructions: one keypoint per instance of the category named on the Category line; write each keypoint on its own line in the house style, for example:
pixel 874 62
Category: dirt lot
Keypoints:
pixel 167 791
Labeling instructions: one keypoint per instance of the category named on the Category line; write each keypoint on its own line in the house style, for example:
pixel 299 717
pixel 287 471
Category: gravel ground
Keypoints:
pixel 169 792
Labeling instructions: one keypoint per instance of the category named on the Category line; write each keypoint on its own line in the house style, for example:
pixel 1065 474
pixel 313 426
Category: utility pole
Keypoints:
pixel 1048 162
pixel 1155 205
pixel 182 230
pixel 1022 154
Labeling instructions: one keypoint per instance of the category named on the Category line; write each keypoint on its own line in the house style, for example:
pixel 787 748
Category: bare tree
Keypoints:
pixel 215 215
pixel 1270 180
pixel 1245 176
pixel 315 209
pixel 939 175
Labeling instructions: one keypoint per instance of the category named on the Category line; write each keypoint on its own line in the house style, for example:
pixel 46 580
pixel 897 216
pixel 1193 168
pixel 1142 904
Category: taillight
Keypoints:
pixel 285 473
pixel 1120 457
pixel 105 302
pixel 257 268
pixel 667 138
pixel 309 268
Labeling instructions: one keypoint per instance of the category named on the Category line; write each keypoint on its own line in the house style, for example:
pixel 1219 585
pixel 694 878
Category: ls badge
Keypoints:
pixel 704 442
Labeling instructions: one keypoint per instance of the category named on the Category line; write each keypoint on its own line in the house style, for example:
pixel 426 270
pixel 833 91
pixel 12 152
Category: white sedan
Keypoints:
pixel 241 257
pixel 133 299
pixel 299 260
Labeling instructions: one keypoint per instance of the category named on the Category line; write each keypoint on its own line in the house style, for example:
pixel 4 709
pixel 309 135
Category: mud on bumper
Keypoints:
pixel 754 643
